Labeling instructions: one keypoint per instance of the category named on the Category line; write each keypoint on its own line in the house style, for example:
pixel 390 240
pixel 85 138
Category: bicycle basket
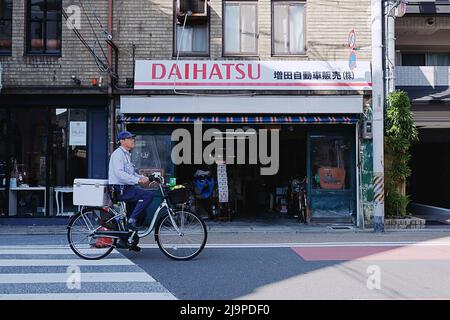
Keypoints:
pixel 178 196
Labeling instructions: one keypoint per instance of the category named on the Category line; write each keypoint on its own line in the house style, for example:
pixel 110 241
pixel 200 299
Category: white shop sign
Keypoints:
pixel 222 182
pixel 77 135
pixel 251 75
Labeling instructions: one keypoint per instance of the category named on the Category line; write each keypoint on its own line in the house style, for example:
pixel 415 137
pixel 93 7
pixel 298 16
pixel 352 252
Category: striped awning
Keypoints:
pixel 348 119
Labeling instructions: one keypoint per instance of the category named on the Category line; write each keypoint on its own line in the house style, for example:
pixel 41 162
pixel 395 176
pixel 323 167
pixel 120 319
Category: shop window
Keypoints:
pixel 288 29
pixel 28 162
pixel 330 162
pixel 6 26
pixel 153 153
pixel 44 26
pixel 191 31
pixel 240 28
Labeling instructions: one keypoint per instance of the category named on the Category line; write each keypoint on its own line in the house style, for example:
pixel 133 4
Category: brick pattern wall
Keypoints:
pixel 328 25
pixel 22 70
pixel 147 25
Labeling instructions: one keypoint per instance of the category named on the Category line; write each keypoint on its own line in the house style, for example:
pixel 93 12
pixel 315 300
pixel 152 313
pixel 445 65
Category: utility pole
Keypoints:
pixel 378 114
pixel 390 12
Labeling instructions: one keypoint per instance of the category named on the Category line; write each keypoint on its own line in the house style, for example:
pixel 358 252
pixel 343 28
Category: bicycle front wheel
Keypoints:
pixel 187 242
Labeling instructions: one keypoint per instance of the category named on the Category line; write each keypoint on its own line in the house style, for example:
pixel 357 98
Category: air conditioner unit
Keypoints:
pixel 198 8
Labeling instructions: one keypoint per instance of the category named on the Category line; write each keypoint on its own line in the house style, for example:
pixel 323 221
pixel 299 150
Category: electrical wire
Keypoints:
pixel 93 30
pixel 101 65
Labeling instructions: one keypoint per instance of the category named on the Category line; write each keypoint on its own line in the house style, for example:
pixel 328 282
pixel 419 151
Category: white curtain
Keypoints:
pixel 194 38
pixel 438 59
pixel 248 25
pixel 184 38
pixel 296 28
pixel 289 28
pixel 281 31
pixel 232 33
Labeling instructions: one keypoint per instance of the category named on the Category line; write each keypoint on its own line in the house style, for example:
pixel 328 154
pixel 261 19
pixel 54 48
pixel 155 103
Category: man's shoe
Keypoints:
pixel 122 245
pixel 135 248
pixel 135 227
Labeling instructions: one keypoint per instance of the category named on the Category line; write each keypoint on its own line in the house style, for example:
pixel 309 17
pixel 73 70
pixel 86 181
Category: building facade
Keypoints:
pixel 422 70
pixel 297 69
pixel 184 71
pixel 54 122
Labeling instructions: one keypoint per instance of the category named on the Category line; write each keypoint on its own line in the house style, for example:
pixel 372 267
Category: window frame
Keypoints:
pixel 8 52
pixel 196 21
pixel 240 54
pixel 284 54
pixel 44 21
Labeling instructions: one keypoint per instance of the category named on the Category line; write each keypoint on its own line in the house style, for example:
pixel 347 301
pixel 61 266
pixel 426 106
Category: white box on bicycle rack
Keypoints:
pixel 90 192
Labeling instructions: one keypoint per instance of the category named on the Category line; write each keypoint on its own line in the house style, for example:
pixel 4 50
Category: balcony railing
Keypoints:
pixel 422 76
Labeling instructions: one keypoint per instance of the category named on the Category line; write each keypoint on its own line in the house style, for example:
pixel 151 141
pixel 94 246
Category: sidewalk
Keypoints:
pixel 49 226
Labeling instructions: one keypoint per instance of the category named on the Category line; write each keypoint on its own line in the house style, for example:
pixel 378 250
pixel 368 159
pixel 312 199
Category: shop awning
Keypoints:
pixel 348 119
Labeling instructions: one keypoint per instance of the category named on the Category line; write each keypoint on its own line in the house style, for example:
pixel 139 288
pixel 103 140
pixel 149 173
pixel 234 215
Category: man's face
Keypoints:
pixel 127 143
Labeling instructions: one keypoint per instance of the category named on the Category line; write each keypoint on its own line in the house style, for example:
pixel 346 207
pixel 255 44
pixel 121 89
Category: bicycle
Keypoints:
pixel 180 234
pixel 299 199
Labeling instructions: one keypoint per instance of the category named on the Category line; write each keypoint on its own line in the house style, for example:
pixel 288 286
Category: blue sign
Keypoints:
pixel 352 60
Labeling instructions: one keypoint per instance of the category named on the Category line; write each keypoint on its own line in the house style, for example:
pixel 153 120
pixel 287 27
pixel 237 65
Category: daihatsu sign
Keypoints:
pixel 251 75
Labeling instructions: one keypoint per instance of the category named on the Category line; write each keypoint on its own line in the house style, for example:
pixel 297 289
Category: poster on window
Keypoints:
pixel 222 182
pixel 77 135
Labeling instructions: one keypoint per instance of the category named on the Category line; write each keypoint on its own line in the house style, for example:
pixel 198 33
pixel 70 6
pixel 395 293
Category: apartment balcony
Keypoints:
pixel 428 89
pixel 422 76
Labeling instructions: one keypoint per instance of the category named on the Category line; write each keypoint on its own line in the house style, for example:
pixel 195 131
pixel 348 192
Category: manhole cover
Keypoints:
pixel 341 227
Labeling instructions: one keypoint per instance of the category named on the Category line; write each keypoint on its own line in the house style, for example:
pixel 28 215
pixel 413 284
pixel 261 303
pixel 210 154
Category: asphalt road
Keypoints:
pixel 254 265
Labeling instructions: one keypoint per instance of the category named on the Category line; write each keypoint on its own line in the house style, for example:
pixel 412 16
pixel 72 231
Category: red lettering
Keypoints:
pixel 228 70
pixel 197 70
pixel 240 71
pixel 174 71
pixel 250 73
pixel 154 71
pixel 186 71
pixel 215 71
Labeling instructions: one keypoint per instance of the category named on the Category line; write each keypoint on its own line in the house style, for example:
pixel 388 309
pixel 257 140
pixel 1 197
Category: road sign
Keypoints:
pixel 352 39
pixel 352 60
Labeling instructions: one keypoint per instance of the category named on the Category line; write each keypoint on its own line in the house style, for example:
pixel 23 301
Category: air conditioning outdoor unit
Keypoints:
pixel 198 8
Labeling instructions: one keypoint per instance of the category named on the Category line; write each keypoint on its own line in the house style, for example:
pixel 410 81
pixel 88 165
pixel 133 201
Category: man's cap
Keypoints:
pixel 125 135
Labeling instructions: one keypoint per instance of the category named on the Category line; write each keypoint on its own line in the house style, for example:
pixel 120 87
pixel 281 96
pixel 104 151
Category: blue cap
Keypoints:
pixel 125 135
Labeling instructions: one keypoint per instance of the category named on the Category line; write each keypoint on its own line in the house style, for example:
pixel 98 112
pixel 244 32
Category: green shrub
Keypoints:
pixel 400 134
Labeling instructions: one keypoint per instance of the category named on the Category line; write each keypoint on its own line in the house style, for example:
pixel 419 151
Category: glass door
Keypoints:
pixel 67 157
pixel 331 173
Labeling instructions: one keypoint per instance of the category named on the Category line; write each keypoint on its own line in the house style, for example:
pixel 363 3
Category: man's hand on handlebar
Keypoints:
pixel 144 181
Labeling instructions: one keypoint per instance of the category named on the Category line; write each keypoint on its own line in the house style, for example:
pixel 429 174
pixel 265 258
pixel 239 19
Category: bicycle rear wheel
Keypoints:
pixel 187 243
pixel 80 234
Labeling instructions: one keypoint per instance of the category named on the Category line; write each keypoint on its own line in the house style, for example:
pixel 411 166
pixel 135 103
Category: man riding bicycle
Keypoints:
pixel 126 182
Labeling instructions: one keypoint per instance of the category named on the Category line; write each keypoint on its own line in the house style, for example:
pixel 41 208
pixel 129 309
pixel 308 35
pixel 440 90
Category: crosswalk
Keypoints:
pixel 43 272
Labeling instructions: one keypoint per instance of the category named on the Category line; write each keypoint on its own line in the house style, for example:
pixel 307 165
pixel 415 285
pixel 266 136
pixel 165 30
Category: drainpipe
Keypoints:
pixel 112 107
pixel 377 105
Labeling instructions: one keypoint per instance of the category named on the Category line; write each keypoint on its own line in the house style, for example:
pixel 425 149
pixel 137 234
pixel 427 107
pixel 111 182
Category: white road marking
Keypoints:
pixel 91 296
pixel 84 277
pixel 65 262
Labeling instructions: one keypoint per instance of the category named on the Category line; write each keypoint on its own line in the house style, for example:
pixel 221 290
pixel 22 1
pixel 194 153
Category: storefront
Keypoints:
pixel 317 135
pixel 45 143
